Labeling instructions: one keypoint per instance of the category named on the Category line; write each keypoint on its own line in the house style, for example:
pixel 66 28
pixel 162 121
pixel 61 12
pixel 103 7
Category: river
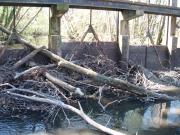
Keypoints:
pixel 128 116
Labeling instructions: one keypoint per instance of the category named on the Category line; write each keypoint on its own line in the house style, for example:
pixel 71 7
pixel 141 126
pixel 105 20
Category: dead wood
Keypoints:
pixel 104 79
pixel 43 99
pixel 63 84
pixel 160 84
pixel 148 74
pixel 30 70
pixel 98 77
pixel 28 57
pixel 57 81
pixel 95 76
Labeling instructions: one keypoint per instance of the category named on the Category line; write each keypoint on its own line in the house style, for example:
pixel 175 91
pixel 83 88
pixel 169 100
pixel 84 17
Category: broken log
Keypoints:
pixel 28 57
pixel 30 70
pixel 63 84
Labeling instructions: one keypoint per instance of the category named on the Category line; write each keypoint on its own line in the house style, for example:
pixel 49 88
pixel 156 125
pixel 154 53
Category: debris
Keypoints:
pixel 64 83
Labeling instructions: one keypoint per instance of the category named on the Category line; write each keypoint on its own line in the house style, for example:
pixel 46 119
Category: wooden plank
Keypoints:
pixel 100 4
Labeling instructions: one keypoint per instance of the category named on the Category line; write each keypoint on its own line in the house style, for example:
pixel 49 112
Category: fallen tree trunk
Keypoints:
pixel 28 57
pixel 104 79
pixel 80 112
pixel 98 77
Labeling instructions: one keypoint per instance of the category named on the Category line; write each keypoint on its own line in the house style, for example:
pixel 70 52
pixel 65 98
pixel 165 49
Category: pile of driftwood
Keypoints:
pixel 24 83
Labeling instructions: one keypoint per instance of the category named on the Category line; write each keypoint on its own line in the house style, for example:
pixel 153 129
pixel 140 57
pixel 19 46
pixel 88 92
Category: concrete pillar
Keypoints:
pixel 55 41
pixel 124 32
pixel 54 31
pixel 172 40
pixel 124 40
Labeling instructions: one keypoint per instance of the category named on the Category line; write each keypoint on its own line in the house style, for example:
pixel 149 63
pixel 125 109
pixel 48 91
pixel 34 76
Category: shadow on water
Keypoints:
pixel 132 117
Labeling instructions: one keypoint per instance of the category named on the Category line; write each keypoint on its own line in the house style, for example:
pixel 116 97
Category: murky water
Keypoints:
pixel 131 117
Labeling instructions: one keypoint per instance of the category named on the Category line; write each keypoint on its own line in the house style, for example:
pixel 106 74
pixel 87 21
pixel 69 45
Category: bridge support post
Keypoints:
pixel 124 32
pixel 172 38
pixel 124 40
pixel 55 41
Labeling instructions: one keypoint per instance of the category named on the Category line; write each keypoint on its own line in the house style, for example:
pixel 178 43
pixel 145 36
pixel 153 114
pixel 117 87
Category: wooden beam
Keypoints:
pixel 100 4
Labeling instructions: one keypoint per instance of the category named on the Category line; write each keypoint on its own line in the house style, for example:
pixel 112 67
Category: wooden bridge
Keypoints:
pixel 115 5
pixel 129 10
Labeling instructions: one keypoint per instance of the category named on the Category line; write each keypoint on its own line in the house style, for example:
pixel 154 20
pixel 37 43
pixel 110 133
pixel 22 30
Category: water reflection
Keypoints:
pixel 70 132
pixel 158 119
pixel 17 126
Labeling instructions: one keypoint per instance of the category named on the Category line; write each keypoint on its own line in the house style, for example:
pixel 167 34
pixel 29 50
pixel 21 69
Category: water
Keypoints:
pixel 132 117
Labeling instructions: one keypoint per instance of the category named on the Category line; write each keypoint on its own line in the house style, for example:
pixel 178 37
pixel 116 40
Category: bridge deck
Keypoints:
pixel 116 5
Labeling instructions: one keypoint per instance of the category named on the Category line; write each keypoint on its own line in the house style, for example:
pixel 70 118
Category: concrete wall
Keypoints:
pixel 175 58
pixel 79 50
pixel 151 59
pixel 137 53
